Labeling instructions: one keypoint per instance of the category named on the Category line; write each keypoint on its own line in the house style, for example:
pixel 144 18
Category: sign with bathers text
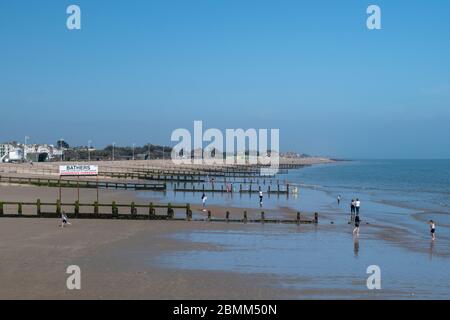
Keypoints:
pixel 78 170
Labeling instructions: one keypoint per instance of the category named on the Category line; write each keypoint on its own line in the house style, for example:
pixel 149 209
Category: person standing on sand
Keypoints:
pixel 339 199
pixel 260 198
pixel 352 209
pixel 204 198
pixel 356 229
pixel 432 229
pixel 357 206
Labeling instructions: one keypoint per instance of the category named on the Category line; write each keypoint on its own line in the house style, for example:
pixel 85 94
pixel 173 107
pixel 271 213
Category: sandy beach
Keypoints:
pixel 200 260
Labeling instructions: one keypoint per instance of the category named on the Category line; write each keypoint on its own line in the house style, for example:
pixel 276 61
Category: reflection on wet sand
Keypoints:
pixel 356 246
pixel 431 249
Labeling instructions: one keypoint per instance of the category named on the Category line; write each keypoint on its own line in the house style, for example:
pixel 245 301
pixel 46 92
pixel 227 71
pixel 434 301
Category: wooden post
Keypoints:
pixel 209 215
pixel 188 214
pixel 59 182
pixel 97 188
pixel 150 210
pixel 316 217
pixel 77 207
pixel 58 207
pixel 1 209
pixel 19 208
pixel 298 217
pixel 245 216
pixel 170 211
pixel 228 215
pixel 133 208
pixel 262 217
pixel 96 207
pixel 114 209
pixel 78 188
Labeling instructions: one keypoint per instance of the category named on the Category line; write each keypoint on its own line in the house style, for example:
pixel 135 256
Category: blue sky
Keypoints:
pixel 140 69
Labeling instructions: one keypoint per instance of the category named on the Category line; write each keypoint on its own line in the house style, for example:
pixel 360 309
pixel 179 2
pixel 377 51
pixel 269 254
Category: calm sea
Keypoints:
pixel 417 184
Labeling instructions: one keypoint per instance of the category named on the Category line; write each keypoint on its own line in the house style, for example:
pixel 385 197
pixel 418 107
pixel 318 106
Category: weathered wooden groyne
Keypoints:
pixel 240 188
pixel 77 210
pixel 92 184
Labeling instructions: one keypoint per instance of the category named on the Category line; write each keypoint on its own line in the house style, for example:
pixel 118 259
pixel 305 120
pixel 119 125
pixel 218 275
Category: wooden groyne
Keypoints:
pixel 78 210
pixel 91 184
pixel 96 210
pixel 233 189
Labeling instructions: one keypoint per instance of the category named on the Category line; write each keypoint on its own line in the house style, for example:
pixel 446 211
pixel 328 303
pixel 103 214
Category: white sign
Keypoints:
pixel 78 170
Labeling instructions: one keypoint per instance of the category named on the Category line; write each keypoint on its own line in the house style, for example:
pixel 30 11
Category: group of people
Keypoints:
pixel 355 206
pixel 204 198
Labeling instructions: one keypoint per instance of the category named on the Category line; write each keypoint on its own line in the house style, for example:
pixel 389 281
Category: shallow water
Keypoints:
pixel 317 260
pixel 327 258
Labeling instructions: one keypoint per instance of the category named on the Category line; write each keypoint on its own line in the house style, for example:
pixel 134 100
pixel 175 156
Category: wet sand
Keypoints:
pixel 118 260
pixel 200 260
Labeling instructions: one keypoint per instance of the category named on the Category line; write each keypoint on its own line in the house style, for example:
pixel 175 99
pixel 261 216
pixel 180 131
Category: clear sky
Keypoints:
pixel 137 70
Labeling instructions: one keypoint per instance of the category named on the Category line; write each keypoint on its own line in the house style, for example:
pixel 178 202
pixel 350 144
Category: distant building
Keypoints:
pixel 10 152
pixel 13 152
pixel 42 152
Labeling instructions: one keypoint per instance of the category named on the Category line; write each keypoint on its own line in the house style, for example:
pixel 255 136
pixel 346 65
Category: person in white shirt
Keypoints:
pixel 260 198
pixel 357 206
pixel 64 219
pixel 432 229
pixel 204 198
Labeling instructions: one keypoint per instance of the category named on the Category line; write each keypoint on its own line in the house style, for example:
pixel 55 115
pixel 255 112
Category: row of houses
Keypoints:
pixel 15 152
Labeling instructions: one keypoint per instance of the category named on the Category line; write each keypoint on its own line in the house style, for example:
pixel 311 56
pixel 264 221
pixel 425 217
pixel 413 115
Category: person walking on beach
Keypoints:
pixel 357 206
pixel 357 222
pixel 260 198
pixel 432 229
pixel 338 199
pixel 352 210
pixel 204 198
pixel 64 219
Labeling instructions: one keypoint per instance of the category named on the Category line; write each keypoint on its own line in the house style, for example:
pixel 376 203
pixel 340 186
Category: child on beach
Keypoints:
pixel 260 198
pixel 432 229
pixel 204 198
pixel 356 229
pixel 357 205
pixel 64 219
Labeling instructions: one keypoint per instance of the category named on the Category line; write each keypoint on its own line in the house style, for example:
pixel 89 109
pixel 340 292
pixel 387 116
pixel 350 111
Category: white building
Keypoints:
pixel 42 152
pixel 10 153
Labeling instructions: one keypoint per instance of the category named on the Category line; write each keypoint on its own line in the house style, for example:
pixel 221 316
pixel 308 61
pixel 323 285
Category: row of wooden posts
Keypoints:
pixel 114 209
pixel 65 183
pixel 277 190
pixel 133 215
